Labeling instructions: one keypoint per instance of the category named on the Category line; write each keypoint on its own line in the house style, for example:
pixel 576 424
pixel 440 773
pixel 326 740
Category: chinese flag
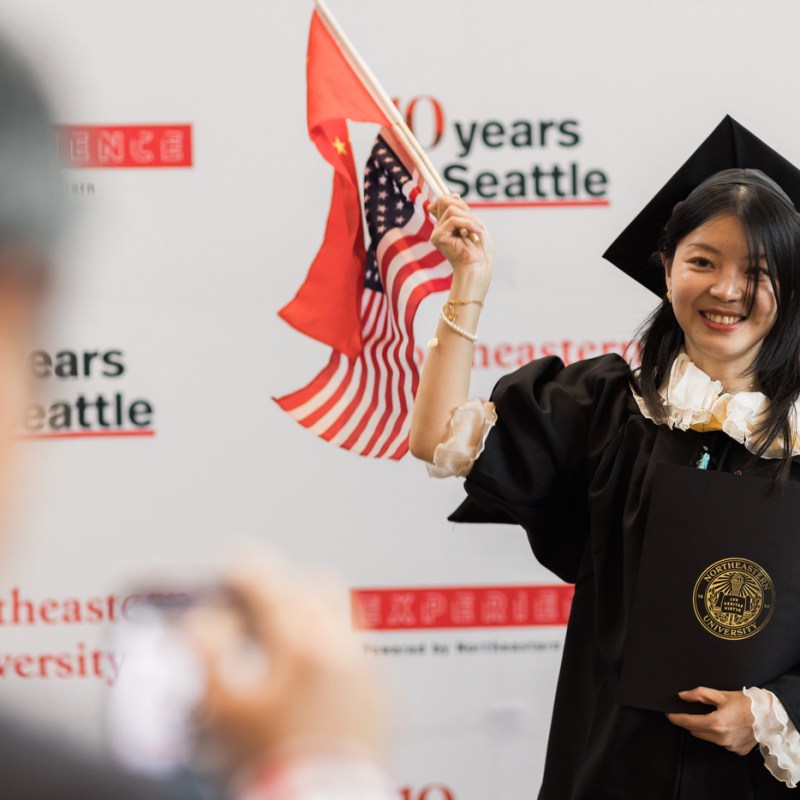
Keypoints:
pixel 326 307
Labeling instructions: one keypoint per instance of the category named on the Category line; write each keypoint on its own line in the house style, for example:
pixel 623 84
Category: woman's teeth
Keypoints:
pixel 721 320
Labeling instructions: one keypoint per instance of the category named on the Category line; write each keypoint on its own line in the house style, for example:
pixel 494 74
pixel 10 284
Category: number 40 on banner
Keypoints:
pixel 429 133
pixel 434 791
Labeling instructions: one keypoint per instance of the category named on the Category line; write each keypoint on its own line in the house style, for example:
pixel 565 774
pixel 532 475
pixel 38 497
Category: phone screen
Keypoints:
pixel 151 711
pixel 160 684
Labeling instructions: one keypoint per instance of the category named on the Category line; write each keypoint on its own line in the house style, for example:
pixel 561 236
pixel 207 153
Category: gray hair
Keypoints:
pixel 32 198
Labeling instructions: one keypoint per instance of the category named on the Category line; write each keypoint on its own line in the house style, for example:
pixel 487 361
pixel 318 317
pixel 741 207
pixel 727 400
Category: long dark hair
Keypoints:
pixel 771 228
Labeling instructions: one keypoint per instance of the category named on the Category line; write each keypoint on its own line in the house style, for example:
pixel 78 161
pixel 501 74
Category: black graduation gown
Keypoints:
pixel 571 459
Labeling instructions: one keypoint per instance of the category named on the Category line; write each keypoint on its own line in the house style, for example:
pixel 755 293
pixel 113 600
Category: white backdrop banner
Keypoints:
pixel 155 447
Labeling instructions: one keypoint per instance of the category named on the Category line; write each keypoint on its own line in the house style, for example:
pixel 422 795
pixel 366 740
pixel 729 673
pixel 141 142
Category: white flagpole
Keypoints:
pixel 416 152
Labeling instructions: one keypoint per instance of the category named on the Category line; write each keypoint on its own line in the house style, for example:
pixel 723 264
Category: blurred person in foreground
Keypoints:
pixel 309 726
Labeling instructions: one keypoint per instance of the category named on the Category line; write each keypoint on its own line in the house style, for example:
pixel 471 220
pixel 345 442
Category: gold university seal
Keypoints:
pixel 734 598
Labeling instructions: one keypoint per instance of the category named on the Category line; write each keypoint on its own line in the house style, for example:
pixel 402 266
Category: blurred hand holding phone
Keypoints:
pixel 257 671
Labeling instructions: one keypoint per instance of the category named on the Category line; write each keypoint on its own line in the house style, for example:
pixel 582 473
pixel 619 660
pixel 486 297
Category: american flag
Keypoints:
pixel 364 404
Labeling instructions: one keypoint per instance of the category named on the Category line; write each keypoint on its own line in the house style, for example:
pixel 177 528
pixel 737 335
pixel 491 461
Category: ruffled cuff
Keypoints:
pixel 470 426
pixel 776 735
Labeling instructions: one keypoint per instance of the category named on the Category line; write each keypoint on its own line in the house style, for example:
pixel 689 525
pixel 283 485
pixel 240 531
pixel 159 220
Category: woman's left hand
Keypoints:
pixel 730 726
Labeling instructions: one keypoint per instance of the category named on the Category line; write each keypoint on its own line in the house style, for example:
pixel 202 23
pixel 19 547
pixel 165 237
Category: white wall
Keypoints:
pixel 183 270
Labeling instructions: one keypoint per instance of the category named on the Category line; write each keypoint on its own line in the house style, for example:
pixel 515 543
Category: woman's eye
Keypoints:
pixel 758 272
pixel 700 262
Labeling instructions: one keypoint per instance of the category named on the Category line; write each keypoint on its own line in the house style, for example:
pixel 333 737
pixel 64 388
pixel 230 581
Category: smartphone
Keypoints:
pixel 151 713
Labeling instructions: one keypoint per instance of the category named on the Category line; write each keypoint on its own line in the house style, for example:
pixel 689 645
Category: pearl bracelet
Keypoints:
pixel 457 328
pixel 448 316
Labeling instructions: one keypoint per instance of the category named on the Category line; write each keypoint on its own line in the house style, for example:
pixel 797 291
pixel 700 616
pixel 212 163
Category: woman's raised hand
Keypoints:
pixel 462 238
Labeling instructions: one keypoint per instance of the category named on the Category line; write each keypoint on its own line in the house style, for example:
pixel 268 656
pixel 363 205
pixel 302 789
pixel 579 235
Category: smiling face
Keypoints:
pixel 708 277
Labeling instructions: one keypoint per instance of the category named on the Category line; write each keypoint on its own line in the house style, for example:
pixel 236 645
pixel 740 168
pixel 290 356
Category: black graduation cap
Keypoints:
pixel 730 147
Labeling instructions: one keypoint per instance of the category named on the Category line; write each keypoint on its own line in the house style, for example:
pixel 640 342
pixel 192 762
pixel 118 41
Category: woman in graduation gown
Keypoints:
pixel 569 453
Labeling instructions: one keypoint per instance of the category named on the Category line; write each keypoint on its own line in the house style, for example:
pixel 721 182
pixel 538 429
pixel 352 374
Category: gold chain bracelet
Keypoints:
pixel 448 316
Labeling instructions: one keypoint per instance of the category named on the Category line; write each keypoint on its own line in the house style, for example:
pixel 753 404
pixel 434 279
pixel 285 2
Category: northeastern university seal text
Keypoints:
pixel 734 598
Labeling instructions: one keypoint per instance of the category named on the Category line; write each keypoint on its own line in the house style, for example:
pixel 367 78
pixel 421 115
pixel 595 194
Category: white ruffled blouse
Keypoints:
pixel 692 400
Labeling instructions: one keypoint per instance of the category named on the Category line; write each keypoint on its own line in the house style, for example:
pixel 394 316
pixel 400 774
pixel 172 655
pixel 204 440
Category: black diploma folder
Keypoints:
pixel 717 598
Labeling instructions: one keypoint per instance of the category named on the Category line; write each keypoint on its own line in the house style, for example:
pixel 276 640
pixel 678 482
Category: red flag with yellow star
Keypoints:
pixel 327 305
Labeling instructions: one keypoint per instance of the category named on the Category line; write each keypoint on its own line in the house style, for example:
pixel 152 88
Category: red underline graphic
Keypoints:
pixel 538 203
pixel 84 434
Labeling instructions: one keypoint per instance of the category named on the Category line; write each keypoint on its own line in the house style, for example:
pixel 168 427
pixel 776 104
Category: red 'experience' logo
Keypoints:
pixel 143 146
pixel 461 607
